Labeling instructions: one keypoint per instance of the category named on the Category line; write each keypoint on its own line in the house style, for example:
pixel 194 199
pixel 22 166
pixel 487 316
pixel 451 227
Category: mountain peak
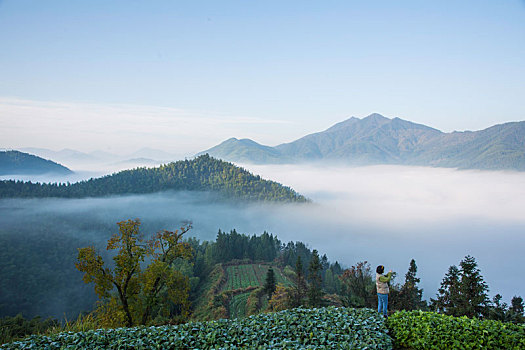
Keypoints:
pixel 376 117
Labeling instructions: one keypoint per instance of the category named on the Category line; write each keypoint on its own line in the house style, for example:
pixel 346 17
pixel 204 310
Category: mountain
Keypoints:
pixel 380 140
pixel 152 154
pixel 374 139
pixel 20 163
pixel 245 150
pixel 77 158
pixel 73 158
pixel 203 173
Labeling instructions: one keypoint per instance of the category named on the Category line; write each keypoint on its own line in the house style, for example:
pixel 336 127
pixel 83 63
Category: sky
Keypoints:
pixel 182 76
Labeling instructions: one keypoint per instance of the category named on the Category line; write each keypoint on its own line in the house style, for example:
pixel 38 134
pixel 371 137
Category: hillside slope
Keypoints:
pixel 203 173
pixel 380 140
pixel 20 163
pixel 235 290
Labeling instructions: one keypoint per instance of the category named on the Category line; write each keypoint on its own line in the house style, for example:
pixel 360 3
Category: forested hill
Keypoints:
pixel 203 173
pixel 20 163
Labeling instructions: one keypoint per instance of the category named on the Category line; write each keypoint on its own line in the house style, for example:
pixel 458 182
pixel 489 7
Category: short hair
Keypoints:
pixel 380 269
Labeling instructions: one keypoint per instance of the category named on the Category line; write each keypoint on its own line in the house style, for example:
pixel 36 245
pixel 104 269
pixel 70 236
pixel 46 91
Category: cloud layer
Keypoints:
pixel 383 214
pixel 124 128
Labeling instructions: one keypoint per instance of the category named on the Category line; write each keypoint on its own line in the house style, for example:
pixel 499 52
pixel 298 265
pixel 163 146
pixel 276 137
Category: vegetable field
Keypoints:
pixel 237 305
pixel 429 330
pixel 325 328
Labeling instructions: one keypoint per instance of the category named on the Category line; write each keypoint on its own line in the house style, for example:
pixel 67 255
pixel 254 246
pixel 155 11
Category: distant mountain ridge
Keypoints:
pixel 20 163
pixel 380 140
pixel 145 156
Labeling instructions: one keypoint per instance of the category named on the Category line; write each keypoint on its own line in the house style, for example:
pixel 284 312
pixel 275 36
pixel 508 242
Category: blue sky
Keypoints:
pixel 272 70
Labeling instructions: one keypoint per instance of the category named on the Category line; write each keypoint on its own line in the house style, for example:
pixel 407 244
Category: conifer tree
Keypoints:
pixel 498 310
pixel 315 292
pixel 517 305
pixel 269 284
pixel 516 310
pixel 448 291
pixel 473 298
pixel 463 291
pixel 410 296
pixel 299 291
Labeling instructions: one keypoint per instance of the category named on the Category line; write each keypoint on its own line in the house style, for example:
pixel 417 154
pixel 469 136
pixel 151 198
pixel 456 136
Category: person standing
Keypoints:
pixel 382 289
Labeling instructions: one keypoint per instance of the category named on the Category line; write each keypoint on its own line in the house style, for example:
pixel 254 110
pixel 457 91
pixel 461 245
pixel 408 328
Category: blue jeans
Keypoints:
pixel 382 303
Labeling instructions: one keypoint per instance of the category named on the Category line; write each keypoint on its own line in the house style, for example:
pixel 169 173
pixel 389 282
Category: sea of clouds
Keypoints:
pixel 382 214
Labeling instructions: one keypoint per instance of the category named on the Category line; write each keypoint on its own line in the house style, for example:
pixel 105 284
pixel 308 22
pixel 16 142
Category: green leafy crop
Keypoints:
pixel 324 328
pixel 430 330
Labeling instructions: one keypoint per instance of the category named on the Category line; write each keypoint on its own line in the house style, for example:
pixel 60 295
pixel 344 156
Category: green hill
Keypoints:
pixel 203 173
pixel 19 163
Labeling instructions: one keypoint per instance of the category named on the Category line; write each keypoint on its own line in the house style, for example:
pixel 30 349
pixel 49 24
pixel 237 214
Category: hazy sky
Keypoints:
pixel 185 75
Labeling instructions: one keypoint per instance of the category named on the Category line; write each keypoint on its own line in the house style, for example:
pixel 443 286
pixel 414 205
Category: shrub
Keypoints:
pixel 12 328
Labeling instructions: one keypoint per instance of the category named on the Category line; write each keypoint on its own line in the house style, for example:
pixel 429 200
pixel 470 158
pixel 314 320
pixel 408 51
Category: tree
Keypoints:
pixel 516 310
pixel 357 286
pixel 463 292
pixel 315 292
pixel 473 297
pixel 165 287
pixel 498 310
pixel 448 293
pixel 138 290
pixel 517 305
pixel 280 299
pixel 410 296
pixel 300 288
pixel 269 283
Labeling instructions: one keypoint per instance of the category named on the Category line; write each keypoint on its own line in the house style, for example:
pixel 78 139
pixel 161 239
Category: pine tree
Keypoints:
pixel 498 310
pixel 299 291
pixel 473 298
pixel 269 284
pixel 446 301
pixel 463 291
pixel 315 292
pixel 517 305
pixel 410 296
pixel 516 310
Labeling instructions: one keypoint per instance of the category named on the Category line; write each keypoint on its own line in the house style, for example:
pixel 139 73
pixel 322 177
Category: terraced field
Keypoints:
pixel 238 305
pixel 250 275
pixel 240 277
